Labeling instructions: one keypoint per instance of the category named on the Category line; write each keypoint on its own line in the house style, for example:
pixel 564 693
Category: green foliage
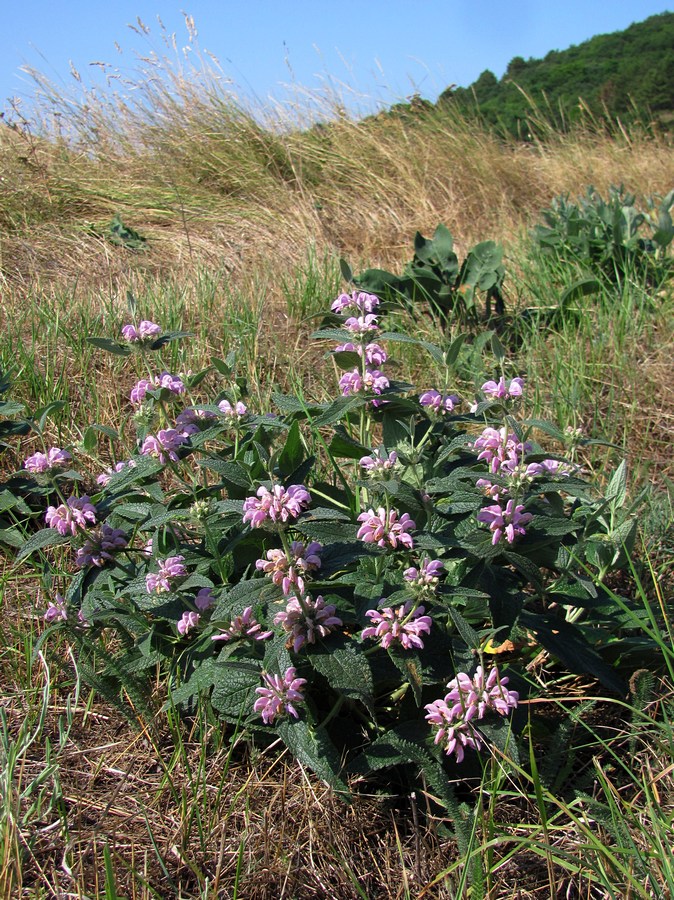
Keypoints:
pixel 200 564
pixel 435 279
pixel 124 235
pixel 628 74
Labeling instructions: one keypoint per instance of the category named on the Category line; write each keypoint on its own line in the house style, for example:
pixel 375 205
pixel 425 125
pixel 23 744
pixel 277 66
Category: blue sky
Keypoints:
pixel 370 51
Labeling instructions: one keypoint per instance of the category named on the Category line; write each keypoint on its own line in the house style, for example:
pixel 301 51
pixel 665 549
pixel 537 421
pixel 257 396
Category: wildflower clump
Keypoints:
pixel 322 569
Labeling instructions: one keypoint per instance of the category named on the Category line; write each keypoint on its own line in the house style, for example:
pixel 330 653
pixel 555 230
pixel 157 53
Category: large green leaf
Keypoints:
pixel 314 748
pixel 347 671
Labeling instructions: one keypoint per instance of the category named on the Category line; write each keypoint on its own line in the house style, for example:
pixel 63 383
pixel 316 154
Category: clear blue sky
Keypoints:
pixel 382 51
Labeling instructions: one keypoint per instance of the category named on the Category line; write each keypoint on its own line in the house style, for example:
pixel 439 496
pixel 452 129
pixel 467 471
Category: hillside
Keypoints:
pixel 628 74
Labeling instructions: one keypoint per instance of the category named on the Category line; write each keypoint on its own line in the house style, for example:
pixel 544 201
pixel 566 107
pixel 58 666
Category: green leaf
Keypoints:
pixel 293 450
pixel 164 339
pixel 343 445
pixel 616 490
pixel 234 689
pixel 47 537
pixel 110 346
pixel 313 748
pixel 347 671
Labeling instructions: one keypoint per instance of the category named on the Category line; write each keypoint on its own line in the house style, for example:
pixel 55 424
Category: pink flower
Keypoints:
pixel 362 324
pixel 164 445
pixel 104 478
pixel 279 504
pixel 500 391
pixel 188 621
pixel 385 529
pixel 54 458
pixel 358 301
pixel 426 576
pixel 279 695
pixel 379 464
pixel 56 611
pixel 438 402
pixel 146 331
pixel 398 626
pixel 100 546
pixel 374 354
pixel 204 599
pixel 304 622
pixel 289 574
pixel 500 450
pixel 469 699
pixel 169 569
pixel 243 626
pixel 75 513
pixel 238 411
pixel 371 382
pixel 509 521
pixel 140 389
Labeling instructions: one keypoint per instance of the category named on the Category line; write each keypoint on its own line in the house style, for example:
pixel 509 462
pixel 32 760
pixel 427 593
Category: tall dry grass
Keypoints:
pixel 207 178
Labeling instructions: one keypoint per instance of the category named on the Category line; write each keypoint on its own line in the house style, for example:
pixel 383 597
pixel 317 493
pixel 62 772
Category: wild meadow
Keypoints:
pixel 336 508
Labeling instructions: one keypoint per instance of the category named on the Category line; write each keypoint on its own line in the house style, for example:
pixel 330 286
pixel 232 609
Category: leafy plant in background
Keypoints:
pixel 610 239
pixel 346 574
pixel 437 282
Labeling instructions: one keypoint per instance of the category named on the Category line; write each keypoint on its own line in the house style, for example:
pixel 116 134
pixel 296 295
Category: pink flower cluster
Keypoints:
pixel 308 620
pixel 371 381
pixel 100 546
pixel 279 695
pixel 439 403
pixel 499 390
pixel 56 610
pixel 468 700
pixel 236 412
pixel 164 445
pixel 104 478
pixel 403 625
pixel 379 464
pixel 172 383
pixel 146 331
pixel 426 576
pixel 374 354
pixel 386 529
pixel 508 522
pixel 54 458
pixel 69 517
pixel 244 625
pixel 169 569
pixel 187 622
pixel 287 573
pixel 358 301
pixel 278 505
pixel 502 451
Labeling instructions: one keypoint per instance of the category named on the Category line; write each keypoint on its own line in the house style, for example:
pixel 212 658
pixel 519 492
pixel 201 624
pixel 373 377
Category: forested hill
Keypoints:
pixel 629 74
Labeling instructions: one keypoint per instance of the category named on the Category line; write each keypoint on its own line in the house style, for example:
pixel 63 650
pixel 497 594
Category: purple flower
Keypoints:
pixel 146 331
pixel 374 354
pixel 75 513
pixel 426 576
pixel 399 625
pixel 204 599
pixel 237 412
pixel 371 382
pixel 385 529
pixel 100 546
pixel 304 621
pixel 439 403
pixel 379 464
pixel 502 391
pixel 243 626
pixel 548 467
pixel 169 382
pixel 290 574
pixel 188 621
pixel 279 504
pixel 164 445
pixel 54 458
pixel 362 324
pixel 358 301
pixel 468 699
pixel 104 478
pixel 279 695
pixel 169 569
pixel 56 610
pixel 500 450
pixel 509 521
pixel 139 390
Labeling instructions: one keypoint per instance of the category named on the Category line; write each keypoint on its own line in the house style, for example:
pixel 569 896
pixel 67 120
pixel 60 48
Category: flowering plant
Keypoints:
pixel 353 605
